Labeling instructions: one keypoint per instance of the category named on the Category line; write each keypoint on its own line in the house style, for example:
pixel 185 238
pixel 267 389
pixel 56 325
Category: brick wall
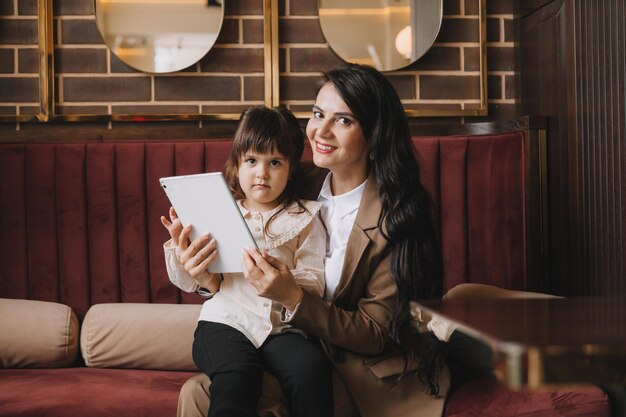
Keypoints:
pixel 447 77
pixel 19 67
pixel 502 66
pixel 91 80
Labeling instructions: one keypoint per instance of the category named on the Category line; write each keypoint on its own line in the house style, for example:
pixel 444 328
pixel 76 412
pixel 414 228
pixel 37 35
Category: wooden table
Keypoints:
pixel 538 342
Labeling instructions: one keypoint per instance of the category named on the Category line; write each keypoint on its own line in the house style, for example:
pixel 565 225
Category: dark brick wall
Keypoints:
pixel 222 77
pixel 19 68
pixel 447 77
pixel 92 80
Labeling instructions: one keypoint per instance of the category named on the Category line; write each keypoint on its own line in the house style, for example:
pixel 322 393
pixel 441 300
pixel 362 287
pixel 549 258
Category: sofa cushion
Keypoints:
pixel 140 336
pixel 92 392
pixel 37 334
pixel 488 398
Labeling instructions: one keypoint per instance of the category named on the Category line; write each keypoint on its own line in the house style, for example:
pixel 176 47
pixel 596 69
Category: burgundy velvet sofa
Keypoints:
pixel 79 226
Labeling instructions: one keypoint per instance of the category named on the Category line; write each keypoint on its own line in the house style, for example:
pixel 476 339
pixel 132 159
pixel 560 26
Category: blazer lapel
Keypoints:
pixel 366 220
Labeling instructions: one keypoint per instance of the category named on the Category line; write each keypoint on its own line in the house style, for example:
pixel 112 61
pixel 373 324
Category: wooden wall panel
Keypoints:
pixel 601 143
pixel 573 71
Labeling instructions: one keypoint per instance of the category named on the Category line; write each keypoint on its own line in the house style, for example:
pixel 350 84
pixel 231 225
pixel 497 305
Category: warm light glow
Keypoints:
pixel 172 2
pixel 130 52
pixel 363 11
pixel 404 42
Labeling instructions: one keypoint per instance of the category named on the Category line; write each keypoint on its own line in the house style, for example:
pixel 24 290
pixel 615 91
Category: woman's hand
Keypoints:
pixel 173 225
pixel 271 278
pixel 196 258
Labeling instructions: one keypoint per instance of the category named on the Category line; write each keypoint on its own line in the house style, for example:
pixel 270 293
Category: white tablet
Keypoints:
pixel 205 202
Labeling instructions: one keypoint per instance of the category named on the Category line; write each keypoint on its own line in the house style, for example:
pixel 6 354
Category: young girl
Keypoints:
pixel 240 334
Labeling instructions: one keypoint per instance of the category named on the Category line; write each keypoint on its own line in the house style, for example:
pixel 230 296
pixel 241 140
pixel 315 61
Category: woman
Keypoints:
pixel 382 251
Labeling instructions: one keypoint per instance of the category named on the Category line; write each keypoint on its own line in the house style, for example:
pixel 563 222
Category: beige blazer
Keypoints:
pixel 353 332
pixel 353 327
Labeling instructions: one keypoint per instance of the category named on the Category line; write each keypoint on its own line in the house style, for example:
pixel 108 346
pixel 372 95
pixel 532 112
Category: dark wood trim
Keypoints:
pixel 534 19
pixel 99 132
pixel 485 128
pixel 527 7
pixel 155 130
pixel 537 226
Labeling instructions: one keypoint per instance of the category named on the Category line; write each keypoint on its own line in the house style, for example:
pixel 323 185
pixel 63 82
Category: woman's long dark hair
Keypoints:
pixel 262 129
pixel 406 219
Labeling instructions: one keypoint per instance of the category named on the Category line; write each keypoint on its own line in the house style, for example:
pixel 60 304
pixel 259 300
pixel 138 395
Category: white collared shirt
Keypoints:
pixel 297 239
pixel 338 213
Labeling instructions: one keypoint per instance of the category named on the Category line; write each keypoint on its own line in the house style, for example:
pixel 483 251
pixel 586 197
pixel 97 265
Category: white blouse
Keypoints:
pixel 338 213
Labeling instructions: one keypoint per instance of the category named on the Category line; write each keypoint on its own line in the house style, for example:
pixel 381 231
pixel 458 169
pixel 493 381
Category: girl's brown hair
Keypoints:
pixel 262 129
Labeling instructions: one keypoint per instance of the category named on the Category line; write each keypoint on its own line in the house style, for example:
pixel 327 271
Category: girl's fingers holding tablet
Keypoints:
pixel 206 262
pixel 183 238
pixel 206 251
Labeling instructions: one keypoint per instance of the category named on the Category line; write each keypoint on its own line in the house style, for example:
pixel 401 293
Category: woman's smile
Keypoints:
pixel 323 148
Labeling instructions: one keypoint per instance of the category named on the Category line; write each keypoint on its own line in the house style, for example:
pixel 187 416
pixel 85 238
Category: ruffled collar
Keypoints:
pixel 288 224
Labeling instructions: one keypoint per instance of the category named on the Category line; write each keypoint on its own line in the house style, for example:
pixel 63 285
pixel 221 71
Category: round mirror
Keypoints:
pixel 159 35
pixel 386 34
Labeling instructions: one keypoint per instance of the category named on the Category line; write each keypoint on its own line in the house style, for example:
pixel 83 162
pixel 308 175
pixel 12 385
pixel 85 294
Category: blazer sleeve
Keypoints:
pixel 358 319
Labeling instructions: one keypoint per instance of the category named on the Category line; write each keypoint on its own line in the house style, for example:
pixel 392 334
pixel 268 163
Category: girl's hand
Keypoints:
pixel 173 225
pixel 197 256
pixel 271 278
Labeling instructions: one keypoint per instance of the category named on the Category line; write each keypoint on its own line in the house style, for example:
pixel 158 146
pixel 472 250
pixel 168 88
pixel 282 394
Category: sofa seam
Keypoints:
pixel 86 355
pixel 68 323
pixel 565 408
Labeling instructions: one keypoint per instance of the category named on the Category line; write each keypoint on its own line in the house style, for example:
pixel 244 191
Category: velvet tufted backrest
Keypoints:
pixel 79 222
pixel 478 188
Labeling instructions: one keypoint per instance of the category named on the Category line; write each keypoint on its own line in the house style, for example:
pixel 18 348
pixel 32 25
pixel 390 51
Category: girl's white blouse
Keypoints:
pixel 296 238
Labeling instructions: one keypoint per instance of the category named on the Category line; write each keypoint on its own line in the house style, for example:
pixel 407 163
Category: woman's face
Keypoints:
pixel 336 137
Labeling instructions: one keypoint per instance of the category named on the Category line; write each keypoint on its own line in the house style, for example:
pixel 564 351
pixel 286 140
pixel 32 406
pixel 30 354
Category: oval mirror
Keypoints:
pixel 386 34
pixel 159 35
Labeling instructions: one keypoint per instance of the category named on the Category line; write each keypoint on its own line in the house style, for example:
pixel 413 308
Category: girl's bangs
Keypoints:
pixel 264 144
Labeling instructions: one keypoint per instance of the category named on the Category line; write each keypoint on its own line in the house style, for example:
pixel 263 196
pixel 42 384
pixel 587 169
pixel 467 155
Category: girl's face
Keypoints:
pixel 336 137
pixel 263 177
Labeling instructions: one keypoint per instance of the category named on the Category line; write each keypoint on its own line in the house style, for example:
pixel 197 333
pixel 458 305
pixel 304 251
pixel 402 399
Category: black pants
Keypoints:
pixel 468 359
pixel 236 368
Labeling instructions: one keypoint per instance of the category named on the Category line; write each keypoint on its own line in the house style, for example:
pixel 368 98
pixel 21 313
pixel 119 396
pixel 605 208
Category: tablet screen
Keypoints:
pixel 205 202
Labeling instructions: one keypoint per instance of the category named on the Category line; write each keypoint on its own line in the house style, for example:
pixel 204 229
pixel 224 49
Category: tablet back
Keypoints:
pixel 205 202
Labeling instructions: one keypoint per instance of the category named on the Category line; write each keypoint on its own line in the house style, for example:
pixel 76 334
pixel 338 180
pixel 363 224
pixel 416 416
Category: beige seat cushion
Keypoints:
pixel 139 336
pixel 472 290
pixel 37 334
